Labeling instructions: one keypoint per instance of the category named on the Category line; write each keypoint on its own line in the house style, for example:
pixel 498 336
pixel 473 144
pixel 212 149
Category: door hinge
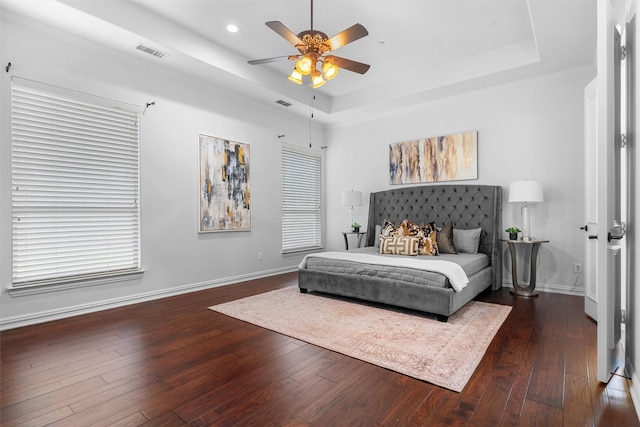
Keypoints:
pixel 623 52
pixel 623 140
pixel 623 316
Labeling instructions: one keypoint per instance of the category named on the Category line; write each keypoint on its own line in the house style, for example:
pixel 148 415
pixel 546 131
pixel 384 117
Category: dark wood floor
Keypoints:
pixel 173 362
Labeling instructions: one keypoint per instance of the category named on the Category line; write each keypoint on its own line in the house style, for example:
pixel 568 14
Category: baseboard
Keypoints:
pixel 634 387
pixel 50 315
pixel 558 289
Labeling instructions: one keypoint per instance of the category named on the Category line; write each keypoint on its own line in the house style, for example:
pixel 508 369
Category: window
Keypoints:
pixel 300 200
pixel 75 187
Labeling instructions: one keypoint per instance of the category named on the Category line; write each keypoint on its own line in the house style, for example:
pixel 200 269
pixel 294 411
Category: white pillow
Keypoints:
pixel 467 241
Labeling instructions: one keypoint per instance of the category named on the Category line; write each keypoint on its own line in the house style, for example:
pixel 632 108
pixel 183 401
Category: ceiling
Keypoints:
pixel 419 50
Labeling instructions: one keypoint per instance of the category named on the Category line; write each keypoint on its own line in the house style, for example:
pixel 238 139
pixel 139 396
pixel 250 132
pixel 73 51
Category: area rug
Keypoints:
pixel 444 354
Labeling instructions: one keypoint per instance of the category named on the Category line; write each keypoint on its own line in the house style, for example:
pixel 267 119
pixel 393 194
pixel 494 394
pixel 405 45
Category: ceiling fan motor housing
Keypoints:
pixel 314 41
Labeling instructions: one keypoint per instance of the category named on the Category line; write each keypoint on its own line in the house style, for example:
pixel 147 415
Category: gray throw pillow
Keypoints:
pixel 445 240
pixel 376 242
pixel 467 241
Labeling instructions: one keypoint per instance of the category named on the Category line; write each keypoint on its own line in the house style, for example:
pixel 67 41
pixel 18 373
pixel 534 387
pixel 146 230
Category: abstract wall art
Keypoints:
pixel 442 158
pixel 224 185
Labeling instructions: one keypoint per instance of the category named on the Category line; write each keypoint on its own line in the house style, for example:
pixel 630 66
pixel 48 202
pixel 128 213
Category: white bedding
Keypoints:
pixel 456 275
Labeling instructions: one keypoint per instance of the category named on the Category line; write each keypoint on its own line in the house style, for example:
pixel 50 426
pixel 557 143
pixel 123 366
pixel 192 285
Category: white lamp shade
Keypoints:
pixel 525 191
pixel 352 198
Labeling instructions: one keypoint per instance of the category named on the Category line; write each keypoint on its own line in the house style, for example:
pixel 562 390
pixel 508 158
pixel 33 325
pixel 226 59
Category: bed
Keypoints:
pixel 355 273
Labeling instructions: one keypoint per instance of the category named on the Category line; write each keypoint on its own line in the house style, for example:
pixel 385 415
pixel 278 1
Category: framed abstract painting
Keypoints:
pixel 441 158
pixel 224 185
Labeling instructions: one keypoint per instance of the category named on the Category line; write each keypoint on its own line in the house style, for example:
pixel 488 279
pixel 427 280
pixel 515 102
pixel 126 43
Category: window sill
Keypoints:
pixel 300 250
pixel 72 283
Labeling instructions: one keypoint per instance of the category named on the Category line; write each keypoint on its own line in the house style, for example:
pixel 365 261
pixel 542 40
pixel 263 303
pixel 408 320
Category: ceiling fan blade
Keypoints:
pixel 284 32
pixel 348 64
pixel 268 60
pixel 349 35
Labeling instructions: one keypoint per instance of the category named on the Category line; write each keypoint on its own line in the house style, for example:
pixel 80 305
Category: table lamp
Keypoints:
pixel 351 198
pixel 525 192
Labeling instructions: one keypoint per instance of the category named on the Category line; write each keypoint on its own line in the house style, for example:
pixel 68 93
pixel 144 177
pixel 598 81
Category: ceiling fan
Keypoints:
pixel 314 49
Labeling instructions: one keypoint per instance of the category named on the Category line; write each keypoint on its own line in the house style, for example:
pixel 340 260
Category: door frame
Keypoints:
pixel 608 314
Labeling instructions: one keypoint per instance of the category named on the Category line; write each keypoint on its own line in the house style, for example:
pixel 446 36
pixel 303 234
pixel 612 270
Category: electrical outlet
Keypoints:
pixel 259 256
pixel 577 267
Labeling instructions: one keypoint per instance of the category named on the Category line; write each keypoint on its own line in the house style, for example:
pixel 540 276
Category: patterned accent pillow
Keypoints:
pixel 407 228
pixel 427 235
pixel 429 239
pixel 388 229
pixel 445 240
pixel 399 245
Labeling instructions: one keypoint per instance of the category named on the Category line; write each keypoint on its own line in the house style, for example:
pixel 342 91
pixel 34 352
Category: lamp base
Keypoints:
pixel 526 234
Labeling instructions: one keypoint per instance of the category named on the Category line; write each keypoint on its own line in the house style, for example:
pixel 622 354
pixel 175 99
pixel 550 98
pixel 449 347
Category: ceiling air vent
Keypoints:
pixel 283 103
pixel 150 51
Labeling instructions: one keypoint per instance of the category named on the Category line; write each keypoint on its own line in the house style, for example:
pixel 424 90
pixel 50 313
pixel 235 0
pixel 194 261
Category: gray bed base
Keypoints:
pixel 466 206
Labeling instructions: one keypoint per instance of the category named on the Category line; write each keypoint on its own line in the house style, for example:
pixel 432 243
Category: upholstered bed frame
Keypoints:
pixel 466 206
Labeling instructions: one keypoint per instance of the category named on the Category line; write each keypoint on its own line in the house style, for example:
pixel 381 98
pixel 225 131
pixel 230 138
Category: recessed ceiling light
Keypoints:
pixel 232 28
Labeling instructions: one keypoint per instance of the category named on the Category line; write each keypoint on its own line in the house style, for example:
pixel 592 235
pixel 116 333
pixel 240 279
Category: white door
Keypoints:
pixel 607 255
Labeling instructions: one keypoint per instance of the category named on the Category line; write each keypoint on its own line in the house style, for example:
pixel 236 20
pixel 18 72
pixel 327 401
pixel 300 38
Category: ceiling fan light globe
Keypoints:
pixel 330 70
pixel 295 77
pixel 317 80
pixel 304 65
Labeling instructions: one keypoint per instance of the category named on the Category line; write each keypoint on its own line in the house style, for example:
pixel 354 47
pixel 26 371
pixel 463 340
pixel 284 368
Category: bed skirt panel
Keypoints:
pixel 440 301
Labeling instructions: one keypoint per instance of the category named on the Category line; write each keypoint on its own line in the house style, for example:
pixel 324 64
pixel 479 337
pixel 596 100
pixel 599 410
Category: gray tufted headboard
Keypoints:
pixel 466 206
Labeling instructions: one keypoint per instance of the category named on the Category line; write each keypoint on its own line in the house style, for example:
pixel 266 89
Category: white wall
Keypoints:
pixel 174 256
pixel 528 130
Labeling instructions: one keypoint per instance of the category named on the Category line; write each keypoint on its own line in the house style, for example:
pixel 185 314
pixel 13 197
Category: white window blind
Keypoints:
pixel 301 213
pixel 75 186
